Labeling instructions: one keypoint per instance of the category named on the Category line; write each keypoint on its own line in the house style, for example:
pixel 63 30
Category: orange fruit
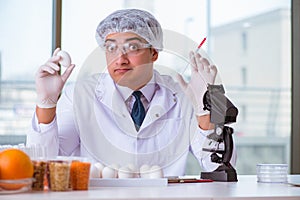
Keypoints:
pixel 14 165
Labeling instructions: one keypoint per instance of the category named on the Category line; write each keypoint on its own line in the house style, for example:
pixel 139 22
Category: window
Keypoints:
pixel 264 86
pixel 25 43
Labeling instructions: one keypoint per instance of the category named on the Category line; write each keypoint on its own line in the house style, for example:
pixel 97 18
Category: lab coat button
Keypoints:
pixel 157 115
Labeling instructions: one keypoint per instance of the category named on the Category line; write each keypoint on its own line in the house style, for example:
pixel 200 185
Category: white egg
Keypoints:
pixel 144 168
pixel 65 60
pixel 134 170
pixel 125 172
pixel 132 167
pixel 100 167
pixel 144 171
pixel 156 172
pixel 115 167
pixel 109 172
pixel 94 172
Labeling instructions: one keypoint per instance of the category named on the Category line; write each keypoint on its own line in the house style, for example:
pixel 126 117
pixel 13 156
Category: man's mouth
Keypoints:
pixel 122 70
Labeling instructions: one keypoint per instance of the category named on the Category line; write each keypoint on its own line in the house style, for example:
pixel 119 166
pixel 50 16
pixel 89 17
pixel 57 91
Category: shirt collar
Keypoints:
pixel 148 90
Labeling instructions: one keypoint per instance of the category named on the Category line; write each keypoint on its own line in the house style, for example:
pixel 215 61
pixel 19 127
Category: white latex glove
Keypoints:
pixel 202 74
pixel 49 82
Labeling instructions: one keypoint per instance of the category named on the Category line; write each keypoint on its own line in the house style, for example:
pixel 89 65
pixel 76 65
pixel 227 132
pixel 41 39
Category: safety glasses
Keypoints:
pixel 131 48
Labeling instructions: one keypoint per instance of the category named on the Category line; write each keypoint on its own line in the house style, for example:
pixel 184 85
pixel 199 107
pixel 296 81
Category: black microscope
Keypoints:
pixel 222 112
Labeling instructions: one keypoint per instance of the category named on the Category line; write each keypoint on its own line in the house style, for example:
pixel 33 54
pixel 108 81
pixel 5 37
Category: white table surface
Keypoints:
pixel 246 188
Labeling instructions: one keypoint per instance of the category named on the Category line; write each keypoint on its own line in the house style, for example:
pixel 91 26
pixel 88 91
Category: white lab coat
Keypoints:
pixel 92 120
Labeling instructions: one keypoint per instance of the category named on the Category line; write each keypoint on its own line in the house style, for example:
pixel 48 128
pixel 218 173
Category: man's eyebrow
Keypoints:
pixel 134 38
pixel 128 39
pixel 111 40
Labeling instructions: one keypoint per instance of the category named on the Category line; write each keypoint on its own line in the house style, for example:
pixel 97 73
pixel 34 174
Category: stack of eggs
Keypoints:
pixel 98 170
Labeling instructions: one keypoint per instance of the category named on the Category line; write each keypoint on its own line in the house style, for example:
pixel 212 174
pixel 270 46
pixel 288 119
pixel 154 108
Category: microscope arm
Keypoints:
pixel 227 134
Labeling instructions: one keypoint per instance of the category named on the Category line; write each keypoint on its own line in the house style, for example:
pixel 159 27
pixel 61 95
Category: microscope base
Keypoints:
pixel 226 176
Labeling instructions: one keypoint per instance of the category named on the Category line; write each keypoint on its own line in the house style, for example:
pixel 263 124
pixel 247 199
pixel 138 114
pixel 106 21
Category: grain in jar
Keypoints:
pixel 59 173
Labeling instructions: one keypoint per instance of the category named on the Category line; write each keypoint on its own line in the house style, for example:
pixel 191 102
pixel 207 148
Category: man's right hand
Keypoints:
pixel 49 83
pixel 202 74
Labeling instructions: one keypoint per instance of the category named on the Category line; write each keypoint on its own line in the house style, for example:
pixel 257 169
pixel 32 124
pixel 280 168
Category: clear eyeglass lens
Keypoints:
pixel 111 48
pixel 129 47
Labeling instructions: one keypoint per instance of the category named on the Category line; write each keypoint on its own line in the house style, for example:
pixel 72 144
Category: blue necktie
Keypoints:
pixel 138 110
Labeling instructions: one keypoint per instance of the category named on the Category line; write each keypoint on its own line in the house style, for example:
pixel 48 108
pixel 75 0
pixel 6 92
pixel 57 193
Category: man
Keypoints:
pixel 132 114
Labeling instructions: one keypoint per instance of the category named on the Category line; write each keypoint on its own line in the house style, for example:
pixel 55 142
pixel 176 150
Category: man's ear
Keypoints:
pixel 154 55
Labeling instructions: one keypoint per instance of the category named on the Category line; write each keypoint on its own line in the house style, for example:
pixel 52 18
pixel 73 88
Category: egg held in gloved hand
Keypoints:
pixel 65 60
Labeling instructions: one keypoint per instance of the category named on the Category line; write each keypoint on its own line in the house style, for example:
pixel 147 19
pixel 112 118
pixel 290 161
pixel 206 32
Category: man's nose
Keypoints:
pixel 121 57
pixel 121 51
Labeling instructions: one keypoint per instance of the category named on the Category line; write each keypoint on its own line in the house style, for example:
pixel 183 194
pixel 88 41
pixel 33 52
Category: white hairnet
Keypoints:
pixel 136 21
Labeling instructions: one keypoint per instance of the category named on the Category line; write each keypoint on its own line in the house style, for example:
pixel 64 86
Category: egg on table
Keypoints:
pixel 109 172
pixel 96 170
pixel 134 170
pixel 144 171
pixel 125 172
pixel 156 172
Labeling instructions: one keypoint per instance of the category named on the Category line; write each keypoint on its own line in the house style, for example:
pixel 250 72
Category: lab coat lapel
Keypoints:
pixel 110 97
pixel 163 100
